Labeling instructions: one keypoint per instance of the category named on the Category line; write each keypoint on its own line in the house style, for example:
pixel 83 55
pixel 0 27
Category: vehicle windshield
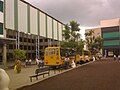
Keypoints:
pixel 67 52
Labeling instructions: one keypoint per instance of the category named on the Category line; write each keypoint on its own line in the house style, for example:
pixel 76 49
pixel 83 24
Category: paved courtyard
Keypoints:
pixel 99 75
pixel 22 79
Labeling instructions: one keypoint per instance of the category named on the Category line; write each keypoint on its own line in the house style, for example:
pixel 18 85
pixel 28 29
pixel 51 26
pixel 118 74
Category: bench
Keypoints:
pixel 39 72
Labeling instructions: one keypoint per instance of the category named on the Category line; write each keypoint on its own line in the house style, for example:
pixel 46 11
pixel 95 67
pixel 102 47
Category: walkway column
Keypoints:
pixel 4 55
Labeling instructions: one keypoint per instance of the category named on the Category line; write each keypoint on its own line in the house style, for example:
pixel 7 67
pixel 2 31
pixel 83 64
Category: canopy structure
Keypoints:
pixel 6 40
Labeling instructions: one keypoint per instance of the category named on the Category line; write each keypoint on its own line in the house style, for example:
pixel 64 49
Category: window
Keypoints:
pixel 1 28
pixel 29 40
pixel 10 46
pixel 46 40
pixel 32 40
pixel 25 47
pixel 20 39
pixel 1 6
pixel 41 40
pixel 29 47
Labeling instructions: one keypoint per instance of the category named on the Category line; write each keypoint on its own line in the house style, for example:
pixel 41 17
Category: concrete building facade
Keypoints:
pixel 24 26
pixel 111 36
pixel 110 32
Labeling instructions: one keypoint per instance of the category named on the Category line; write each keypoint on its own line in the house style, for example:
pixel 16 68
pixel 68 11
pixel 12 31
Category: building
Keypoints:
pixel 24 26
pixel 110 32
pixel 111 36
pixel 97 31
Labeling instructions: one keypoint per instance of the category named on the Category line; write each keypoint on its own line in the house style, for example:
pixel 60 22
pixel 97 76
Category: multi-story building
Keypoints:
pixel 24 26
pixel 110 32
pixel 111 36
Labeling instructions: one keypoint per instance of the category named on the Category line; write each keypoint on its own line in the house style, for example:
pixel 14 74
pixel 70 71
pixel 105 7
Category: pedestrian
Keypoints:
pixel 30 61
pixel 26 62
pixel 38 62
pixel 17 66
pixel 41 62
pixel 93 58
pixel 118 57
pixel 114 57
pixel 67 62
pixel 73 65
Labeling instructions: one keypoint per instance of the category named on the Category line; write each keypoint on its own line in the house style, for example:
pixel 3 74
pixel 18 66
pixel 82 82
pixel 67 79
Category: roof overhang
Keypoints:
pixel 6 40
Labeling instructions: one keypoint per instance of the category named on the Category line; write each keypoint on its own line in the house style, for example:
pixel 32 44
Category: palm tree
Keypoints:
pixel 94 44
pixel 66 32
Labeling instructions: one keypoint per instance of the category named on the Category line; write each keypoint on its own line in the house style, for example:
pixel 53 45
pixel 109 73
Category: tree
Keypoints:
pixel 93 43
pixel 72 36
pixel 74 26
pixel 19 54
pixel 66 32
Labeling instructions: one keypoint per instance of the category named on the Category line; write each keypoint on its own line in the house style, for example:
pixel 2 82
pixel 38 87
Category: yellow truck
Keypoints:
pixel 52 56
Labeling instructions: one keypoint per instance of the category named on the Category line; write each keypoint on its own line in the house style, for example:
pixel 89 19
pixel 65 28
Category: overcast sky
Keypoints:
pixel 88 13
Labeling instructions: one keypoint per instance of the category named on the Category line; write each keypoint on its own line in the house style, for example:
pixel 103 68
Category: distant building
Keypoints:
pixel 97 31
pixel 110 32
pixel 111 36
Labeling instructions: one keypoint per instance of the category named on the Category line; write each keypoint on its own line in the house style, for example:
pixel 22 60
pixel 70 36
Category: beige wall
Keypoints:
pixel 109 23
pixel 22 17
pixel 49 27
pixel 55 29
pixel 42 24
pixel 1 17
pixel 97 31
pixel 60 31
pixel 9 14
pixel 33 21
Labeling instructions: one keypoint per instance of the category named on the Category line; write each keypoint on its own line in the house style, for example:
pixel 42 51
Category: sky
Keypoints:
pixel 87 13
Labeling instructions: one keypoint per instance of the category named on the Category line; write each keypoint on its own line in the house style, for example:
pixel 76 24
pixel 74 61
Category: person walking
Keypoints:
pixel 41 62
pixel 29 62
pixel 67 62
pixel 26 62
pixel 114 57
pixel 17 66
pixel 38 62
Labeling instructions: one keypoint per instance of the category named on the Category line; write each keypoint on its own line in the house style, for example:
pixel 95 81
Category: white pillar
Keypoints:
pixel 4 55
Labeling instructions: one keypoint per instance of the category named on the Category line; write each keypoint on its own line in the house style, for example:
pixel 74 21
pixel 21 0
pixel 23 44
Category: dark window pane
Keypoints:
pixel 1 6
pixel 1 28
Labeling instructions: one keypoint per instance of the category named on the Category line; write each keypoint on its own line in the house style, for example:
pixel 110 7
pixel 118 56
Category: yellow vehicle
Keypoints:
pixel 87 55
pixel 55 56
pixel 82 57
pixel 52 56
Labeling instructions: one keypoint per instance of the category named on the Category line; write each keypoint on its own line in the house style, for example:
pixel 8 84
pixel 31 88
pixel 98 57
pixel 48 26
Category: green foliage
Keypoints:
pixel 72 37
pixel 93 43
pixel 66 32
pixel 19 54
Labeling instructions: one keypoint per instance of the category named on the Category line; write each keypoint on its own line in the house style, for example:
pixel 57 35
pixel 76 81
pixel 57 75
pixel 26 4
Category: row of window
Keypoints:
pixel 1 28
pixel 111 43
pixel 1 6
pixel 25 47
pixel 111 35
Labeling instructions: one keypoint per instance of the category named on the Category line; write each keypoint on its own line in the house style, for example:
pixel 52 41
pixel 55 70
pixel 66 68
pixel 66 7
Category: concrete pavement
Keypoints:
pixel 100 75
pixel 22 79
